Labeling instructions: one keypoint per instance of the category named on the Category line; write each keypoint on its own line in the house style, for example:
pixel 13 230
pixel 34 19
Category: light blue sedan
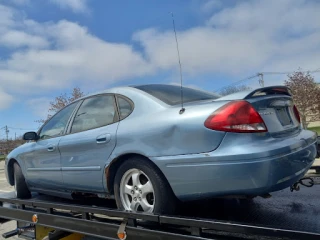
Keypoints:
pixel 140 146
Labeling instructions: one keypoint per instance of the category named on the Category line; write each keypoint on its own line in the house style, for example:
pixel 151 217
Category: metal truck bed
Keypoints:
pixel 284 216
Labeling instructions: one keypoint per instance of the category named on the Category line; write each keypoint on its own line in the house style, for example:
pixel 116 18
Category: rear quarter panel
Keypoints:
pixel 156 129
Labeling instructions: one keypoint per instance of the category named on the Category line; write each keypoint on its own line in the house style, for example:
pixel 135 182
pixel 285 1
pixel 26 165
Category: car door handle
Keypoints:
pixel 101 140
pixel 51 148
pixel 104 138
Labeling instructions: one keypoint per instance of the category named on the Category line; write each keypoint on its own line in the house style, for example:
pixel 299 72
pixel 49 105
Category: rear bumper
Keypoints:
pixel 212 174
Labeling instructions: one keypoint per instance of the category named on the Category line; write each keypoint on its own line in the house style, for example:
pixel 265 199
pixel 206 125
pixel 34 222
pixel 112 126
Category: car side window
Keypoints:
pixel 95 112
pixel 125 107
pixel 57 124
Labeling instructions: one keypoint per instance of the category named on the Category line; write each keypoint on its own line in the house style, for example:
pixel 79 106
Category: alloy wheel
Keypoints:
pixel 136 191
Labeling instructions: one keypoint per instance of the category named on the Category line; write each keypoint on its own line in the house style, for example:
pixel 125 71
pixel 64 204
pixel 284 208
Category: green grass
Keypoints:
pixel 2 157
pixel 315 129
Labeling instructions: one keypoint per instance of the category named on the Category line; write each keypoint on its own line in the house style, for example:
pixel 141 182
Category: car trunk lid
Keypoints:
pixel 275 106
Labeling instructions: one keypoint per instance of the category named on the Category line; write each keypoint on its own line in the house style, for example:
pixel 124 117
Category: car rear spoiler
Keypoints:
pixel 272 90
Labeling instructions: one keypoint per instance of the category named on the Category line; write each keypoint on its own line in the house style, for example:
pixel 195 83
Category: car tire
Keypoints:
pixel 20 185
pixel 164 200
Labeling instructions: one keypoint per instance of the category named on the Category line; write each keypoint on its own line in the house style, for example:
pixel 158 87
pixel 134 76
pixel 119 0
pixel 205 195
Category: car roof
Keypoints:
pixel 120 88
pixel 137 89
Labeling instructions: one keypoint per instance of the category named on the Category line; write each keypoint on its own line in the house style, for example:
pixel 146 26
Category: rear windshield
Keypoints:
pixel 171 94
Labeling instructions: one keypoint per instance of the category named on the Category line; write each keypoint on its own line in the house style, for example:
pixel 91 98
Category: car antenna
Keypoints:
pixel 175 34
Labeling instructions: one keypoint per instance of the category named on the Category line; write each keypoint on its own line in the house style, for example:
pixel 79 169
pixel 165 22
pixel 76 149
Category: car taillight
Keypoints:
pixel 296 113
pixel 236 116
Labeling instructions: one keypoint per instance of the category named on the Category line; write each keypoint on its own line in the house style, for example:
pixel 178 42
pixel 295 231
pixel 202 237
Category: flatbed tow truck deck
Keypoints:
pixel 287 215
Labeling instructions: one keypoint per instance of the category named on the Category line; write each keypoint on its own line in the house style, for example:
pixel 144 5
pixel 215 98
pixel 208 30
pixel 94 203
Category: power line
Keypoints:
pixel 240 81
pixel 8 127
pixel 261 80
pixel 20 128
pixel 271 73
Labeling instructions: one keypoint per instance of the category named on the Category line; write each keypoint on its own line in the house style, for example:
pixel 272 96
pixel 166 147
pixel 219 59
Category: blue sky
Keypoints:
pixel 49 47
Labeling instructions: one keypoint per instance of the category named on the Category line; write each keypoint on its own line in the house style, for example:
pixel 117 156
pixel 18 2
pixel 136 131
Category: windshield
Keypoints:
pixel 171 94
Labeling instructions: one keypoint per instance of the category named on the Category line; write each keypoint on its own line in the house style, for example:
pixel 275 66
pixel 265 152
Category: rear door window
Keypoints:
pixel 95 112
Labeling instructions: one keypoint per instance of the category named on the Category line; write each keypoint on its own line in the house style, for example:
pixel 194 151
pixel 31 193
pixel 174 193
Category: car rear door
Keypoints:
pixel 90 142
pixel 43 163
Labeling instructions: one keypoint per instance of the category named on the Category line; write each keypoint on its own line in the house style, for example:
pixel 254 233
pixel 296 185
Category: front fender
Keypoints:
pixel 16 155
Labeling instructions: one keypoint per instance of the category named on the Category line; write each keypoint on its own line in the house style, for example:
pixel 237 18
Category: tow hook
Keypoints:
pixel 308 183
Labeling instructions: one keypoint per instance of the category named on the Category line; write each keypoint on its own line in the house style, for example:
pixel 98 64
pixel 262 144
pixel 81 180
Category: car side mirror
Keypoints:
pixel 30 136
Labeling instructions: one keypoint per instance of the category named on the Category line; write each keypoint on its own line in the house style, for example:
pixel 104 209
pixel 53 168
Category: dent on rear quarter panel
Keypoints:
pixel 155 130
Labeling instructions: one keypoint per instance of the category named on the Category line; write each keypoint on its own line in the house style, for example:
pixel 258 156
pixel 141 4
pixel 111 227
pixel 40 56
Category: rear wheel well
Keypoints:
pixel 113 167
pixel 11 171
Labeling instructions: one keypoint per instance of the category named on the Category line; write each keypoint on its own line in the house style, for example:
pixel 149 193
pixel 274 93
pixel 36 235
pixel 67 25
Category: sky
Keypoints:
pixel 49 47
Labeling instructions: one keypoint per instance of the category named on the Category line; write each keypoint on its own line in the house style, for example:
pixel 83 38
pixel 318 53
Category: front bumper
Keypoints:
pixel 6 171
pixel 205 175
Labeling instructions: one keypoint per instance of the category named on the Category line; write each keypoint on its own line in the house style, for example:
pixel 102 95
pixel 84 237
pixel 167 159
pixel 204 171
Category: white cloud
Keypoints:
pixel 13 31
pixel 39 106
pixel 5 99
pixel 77 6
pixel 20 2
pixel 6 17
pixel 284 17
pixel 13 38
pixel 204 50
pixel 56 55
pixel 77 57
pixel 211 5
pixel 245 38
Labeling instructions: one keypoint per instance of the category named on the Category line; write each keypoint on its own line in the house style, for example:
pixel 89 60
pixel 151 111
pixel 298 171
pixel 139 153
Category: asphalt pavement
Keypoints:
pixel 299 210
pixel 5 191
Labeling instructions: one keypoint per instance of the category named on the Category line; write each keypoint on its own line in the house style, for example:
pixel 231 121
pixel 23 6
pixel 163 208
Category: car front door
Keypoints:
pixel 90 141
pixel 44 166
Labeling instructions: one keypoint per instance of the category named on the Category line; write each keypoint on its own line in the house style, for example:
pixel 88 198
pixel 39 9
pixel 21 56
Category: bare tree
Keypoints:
pixel 62 101
pixel 306 95
pixel 7 146
pixel 233 89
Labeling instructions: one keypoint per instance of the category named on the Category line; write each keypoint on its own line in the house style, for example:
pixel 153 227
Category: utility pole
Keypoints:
pixel 261 81
pixel 7 143
pixel 7 132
